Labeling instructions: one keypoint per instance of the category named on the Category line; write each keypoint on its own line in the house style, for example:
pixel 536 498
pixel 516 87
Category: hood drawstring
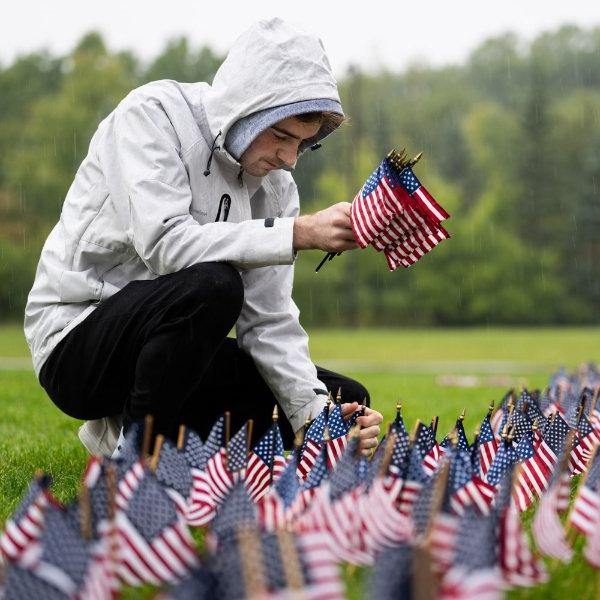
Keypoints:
pixel 239 177
pixel 212 151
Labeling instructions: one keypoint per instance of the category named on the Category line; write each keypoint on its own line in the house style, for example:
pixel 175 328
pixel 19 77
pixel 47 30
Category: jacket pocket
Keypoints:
pixel 79 286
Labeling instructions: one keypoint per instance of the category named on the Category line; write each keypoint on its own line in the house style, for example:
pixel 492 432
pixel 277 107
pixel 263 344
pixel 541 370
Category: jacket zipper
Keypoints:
pixel 224 204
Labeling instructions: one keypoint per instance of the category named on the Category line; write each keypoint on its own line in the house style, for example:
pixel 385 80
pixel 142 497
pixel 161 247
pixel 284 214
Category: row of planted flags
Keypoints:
pixel 430 519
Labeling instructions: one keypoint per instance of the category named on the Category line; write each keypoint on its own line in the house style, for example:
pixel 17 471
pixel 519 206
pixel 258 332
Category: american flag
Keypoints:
pixel 313 441
pixel 587 438
pixel 266 463
pixel 547 528
pixel 504 460
pixel 465 488
pixel 174 474
pixel 416 477
pixel 27 523
pixel 396 214
pixel 520 566
pixel 154 543
pixel 223 468
pixel 334 509
pixel 382 524
pixel 63 558
pixel 586 507
pixel 236 511
pixel 338 431
pixel 521 424
pixel 391 576
pixel 21 582
pixel 376 203
pixel 524 448
pixel 488 446
pixel 475 573
pixel 276 507
pixel 431 460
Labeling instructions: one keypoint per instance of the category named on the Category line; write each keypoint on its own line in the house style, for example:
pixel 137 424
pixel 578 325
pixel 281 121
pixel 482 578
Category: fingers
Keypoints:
pixel 348 408
pixel 371 432
pixel 371 417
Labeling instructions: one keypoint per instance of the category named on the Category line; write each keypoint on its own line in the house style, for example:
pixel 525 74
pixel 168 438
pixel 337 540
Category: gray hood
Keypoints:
pixel 271 64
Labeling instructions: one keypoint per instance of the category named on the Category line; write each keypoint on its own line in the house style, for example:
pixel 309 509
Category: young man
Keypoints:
pixel 182 222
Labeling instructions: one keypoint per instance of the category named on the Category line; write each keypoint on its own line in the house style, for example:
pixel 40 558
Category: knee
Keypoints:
pixel 217 284
pixel 354 391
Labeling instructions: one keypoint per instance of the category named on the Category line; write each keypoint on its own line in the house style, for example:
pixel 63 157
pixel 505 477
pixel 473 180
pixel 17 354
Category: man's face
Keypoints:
pixel 277 146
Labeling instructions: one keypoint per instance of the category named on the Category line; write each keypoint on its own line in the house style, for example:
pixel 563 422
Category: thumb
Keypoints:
pixel 348 408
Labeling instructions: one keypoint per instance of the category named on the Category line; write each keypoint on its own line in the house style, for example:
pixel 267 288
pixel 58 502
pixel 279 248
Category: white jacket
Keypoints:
pixel 140 206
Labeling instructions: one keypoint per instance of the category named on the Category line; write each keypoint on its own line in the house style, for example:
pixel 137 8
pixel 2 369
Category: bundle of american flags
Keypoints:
pixel 440 519
pixel 394 213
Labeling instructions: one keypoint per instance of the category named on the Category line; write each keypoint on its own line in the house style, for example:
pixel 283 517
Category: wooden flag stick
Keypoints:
pixel 156 454
pixel 274 419
pixel 110 474
pixel 436 500
pixel 85 512
pixel 390 441
pixel 249 436
pixel 413 434
pixel 292 566
pixel 181 437
pixel 595 397
pixel 148 425
pixel 434 425
pixel 253 567
pixel 227 436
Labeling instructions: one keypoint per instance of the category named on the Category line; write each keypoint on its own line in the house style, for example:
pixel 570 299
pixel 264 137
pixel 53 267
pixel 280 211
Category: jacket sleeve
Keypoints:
pixel 269 330
pixel 143 152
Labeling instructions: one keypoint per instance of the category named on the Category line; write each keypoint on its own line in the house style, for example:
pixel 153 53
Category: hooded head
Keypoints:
pixel 272 72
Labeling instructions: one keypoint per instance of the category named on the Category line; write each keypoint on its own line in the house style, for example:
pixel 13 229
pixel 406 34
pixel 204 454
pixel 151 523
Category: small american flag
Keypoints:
pixel 488 445
pixel 27 523
pixel 276 508
pixel 266 463
pixel 394 213
pixel 313 442
pixel 174 474
pixel 520 566
pixel 475 573
pixel 416 477
pixel 504 460
pixel 154 544
pixel 586 507
pixel 338 431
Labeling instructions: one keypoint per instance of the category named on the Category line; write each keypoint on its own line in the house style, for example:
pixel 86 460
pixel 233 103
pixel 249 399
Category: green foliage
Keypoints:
pixel 512 149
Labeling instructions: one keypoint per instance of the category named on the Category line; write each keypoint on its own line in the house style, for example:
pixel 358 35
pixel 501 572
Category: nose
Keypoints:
pixel 287 156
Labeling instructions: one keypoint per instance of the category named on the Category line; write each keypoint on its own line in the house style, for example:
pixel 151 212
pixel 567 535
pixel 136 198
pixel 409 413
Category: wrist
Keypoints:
pixel 302 233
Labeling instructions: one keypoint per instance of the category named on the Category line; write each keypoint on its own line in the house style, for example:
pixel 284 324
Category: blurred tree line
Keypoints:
pixel 511 143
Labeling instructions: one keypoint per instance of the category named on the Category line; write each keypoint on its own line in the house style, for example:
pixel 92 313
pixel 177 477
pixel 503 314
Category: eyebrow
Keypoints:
pixel 285 132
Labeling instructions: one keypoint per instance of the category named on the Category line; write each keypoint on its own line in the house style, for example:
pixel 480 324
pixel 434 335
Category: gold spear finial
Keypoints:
pixel 461 417
pixel 338 396
pixel 398 408
pixel 491 408
pixel 413 161
pixel 535 425
pixel 275 415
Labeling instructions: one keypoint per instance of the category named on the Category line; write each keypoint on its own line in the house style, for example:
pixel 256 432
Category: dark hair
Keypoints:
pixel 329 120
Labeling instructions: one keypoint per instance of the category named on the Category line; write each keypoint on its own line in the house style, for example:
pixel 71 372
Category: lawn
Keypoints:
pixel 433 372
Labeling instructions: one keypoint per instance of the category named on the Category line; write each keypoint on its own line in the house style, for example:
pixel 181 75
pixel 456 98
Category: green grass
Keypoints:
pixel 409 364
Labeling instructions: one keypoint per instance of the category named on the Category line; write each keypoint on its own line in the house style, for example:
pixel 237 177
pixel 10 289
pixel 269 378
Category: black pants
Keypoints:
pixel 159 347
